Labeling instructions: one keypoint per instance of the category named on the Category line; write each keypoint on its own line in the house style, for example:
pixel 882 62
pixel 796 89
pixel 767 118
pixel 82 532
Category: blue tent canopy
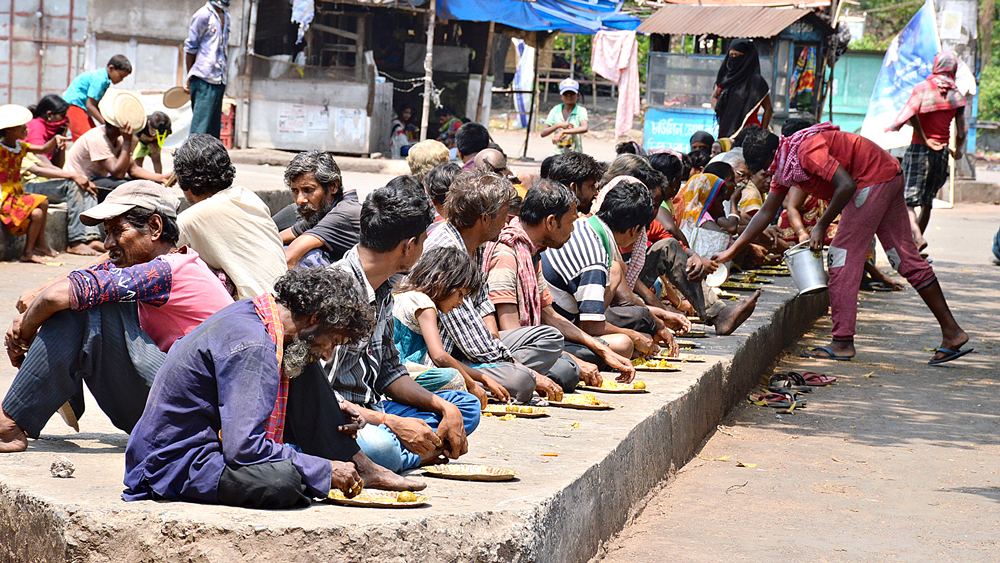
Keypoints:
pixel 568 16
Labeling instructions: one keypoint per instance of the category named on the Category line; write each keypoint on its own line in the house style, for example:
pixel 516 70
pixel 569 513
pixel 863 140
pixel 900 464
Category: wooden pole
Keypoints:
pixel 428 70
pixel 244 140
pixel 486 70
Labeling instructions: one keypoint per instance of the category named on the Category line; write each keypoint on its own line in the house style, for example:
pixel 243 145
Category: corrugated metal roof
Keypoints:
pixel 724 21
pixel 785 3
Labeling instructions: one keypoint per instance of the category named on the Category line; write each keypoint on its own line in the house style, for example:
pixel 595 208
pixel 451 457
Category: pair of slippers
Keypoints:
pixel 783 390
pixel 788 400
pixel 827 354
pixel 799 382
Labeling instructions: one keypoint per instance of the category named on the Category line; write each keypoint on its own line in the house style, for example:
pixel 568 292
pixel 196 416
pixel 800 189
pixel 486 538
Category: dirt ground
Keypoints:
pixel 896 462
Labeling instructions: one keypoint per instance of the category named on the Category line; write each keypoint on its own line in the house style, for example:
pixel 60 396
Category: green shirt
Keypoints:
pixel 571 143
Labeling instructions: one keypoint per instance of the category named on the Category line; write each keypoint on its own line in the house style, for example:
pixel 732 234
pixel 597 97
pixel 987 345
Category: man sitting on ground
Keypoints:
pixel 583 275
pixel 85 327
pixel 477 206
pixel 579 172
pixel 469 140
pixel 104 153
pixel 406 425
pixel 426 156
pixel 518 290
pixel 228 226
pixel 235 393
pixel 328 216
pixel 40 176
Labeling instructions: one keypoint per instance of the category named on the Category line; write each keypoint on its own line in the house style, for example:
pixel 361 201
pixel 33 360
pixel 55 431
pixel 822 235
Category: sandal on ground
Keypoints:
pixel 949 355
pixel 781 382
pixel 830 355
pixel 814 379
pixel 783 400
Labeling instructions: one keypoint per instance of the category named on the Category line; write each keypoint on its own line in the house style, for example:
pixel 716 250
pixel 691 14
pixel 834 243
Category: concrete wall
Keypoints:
pixel 155 19
pixel 318 115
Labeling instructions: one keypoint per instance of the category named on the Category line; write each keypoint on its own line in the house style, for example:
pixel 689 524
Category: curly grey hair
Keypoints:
pixel 319 163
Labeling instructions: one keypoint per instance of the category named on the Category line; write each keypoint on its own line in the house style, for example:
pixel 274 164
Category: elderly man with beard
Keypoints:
pixel 86 326
pixel 328 217
pixel 235 394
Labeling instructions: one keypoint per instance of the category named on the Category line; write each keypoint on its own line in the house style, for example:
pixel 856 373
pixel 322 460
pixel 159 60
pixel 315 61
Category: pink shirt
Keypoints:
pixel 176 292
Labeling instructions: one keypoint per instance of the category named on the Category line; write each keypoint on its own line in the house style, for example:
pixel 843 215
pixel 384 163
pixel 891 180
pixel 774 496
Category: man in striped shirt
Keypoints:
pixel 582 275
pixel 407 425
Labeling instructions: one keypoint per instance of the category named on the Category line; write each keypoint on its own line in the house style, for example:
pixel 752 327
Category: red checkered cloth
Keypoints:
pixel 267 310
pixel 529 306
pixel 938 92
pixel 786 171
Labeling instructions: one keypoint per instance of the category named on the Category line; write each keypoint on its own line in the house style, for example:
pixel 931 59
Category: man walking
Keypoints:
pixel 205 54
pixel 932 106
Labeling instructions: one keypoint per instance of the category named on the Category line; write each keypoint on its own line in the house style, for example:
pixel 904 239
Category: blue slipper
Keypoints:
pixel 826 349
pixel 951 355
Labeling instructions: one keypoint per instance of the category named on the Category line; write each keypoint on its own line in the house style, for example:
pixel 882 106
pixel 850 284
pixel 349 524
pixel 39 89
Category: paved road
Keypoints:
pixel 897 462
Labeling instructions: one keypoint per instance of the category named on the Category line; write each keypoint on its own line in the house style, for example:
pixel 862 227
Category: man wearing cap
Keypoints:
pixel 567 120
pixel 205 55
pixel 87 327
pixel 104 154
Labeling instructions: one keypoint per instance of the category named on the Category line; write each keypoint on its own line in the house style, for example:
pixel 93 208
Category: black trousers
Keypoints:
pixel 312 417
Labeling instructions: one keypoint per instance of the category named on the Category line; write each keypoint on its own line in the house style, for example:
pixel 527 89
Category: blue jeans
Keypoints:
pixel 996 246
pixel 77 201
pixel 206 107
pixel 382 446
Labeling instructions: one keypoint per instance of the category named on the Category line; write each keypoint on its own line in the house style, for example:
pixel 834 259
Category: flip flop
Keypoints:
pixel 826 349
pixel 786 400
pixel 781 382
pixel 950 355
pixel 814 379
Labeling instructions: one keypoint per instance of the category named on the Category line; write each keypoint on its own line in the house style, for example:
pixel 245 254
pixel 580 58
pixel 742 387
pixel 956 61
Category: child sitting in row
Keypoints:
pixel 438 283
pixel 22 213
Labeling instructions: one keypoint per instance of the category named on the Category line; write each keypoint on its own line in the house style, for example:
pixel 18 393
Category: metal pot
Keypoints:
pixel 807 268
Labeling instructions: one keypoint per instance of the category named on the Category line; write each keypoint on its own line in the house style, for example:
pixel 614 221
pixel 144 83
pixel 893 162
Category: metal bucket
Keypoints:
pixel 807 268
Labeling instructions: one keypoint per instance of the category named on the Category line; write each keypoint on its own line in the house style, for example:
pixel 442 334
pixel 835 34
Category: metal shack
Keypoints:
pixel 688 44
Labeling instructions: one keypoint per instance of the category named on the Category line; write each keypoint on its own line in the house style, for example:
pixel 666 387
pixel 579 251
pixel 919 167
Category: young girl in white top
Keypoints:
pixel 437 283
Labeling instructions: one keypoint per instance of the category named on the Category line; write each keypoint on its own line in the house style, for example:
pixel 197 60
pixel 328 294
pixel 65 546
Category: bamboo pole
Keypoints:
pixel 486 70
pixel 428 70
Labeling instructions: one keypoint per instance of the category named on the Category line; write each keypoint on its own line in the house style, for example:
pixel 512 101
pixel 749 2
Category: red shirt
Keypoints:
pixel 821 155
pixel 936 125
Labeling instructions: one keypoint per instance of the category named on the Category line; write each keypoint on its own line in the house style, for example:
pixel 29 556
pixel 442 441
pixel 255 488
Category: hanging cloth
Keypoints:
pixel 615 56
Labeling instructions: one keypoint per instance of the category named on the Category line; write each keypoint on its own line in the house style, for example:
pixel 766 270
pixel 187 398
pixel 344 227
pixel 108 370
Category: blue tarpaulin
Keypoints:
pixel 568 16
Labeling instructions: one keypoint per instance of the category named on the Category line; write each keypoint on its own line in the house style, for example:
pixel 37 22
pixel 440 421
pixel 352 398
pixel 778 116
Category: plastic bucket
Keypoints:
pixel 807 269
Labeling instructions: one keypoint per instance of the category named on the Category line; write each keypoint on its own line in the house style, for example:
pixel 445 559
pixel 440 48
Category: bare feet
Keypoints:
pixel 81 249
pixel 46 251
pixel 727 321
pixel 97 245
pixel 12 437
pixel 952 342
pixel 32 258
pixel 378 477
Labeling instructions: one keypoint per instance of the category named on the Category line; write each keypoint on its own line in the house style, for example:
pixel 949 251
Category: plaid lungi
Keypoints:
pixel 924 171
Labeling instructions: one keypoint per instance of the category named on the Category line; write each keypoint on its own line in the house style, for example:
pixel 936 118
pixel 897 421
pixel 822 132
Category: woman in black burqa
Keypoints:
pixel 740 90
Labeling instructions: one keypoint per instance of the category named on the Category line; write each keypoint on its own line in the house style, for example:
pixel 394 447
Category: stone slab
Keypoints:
pixel 55 233
pixel 562 508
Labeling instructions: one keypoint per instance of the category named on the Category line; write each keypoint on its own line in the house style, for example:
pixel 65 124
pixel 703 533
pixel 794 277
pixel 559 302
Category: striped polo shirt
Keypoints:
pixel 577 274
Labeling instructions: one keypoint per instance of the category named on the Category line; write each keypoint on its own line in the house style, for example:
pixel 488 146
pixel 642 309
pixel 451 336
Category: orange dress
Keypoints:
pixel 15 205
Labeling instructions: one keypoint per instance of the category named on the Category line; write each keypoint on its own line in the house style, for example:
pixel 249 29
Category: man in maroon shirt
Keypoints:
pixel 932 106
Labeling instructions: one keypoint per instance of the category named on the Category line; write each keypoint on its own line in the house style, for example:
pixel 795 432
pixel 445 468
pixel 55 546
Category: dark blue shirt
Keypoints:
pixel 221 376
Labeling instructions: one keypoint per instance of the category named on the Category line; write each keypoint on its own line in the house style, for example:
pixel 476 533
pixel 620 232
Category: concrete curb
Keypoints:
pixel 272 157
pixel 637 447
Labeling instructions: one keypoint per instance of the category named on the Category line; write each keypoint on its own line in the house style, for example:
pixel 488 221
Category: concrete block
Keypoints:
pixel 11 247
pixel 562 509
pixel 967 191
